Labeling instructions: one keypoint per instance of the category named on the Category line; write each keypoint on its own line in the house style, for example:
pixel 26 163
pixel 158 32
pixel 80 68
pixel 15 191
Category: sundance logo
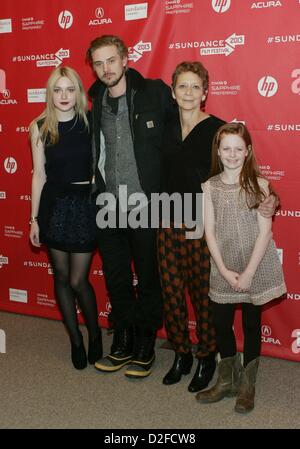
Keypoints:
pixel 34 264
pixel 221 6
pixel 22 129
pixel 45 59
pixel 223 47
pixel 65 19
pixel 17 295
pixel 5 26
pixel 267 336
pixel 36 95
pixel 288 213
pixel 60 55
pixel 136 52
pixel 135 12
pixel 293 296
pixel 267 86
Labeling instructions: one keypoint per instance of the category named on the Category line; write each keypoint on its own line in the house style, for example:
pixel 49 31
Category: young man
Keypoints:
pixel 128 113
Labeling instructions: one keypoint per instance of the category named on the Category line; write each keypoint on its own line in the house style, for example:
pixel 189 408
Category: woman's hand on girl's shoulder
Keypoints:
pixel 268 206
pixel 271 202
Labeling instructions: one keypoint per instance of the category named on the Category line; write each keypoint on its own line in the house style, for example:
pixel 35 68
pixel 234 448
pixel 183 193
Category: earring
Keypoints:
pixel 203 97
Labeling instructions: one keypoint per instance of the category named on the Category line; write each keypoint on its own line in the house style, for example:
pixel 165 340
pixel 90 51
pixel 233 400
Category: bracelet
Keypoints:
pixel 33 219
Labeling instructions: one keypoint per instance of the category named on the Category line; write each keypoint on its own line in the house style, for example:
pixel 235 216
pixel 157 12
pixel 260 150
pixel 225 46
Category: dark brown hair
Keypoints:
pixel 194 67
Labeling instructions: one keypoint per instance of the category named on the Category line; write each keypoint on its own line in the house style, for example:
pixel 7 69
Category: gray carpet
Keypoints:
pixel 41 390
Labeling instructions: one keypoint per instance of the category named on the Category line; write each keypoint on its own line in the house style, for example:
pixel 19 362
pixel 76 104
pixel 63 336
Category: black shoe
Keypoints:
pixel 182 365
pixel 144 355
pixel 113 362
pixel 121 351
pixel 78 355
pixel 139 368
pixel 204 373
pixel 95 351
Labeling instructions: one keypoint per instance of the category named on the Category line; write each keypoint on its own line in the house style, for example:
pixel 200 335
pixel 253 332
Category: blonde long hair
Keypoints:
pixel 250 171
pixel 48 131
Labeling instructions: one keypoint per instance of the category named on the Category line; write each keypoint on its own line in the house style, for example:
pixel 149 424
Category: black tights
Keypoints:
pixel 71 272
pixel 223 319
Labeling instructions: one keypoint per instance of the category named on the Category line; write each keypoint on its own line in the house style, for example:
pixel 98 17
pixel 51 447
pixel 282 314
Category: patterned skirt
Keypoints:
pixel 67 217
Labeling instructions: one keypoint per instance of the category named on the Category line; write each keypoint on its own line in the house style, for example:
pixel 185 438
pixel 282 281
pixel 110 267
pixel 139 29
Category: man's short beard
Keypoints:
pixel 115 82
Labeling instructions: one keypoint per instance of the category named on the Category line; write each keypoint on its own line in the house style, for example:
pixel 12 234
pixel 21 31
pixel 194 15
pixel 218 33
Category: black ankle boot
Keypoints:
pixel 95 351
pixel 143 353
pixel 182 365
pixel 121 352
pixel 78 355
pixel 204 373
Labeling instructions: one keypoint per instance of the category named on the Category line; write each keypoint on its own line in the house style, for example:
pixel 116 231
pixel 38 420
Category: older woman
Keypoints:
pixel 184 262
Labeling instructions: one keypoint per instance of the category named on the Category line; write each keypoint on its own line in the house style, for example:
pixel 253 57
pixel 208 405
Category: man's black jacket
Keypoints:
pixel 149 103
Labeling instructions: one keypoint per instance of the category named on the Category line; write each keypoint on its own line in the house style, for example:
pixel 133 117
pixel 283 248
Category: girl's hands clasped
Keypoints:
pixel 239 282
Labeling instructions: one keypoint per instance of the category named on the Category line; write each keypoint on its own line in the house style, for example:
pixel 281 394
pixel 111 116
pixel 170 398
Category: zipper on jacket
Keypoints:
pixel 132 117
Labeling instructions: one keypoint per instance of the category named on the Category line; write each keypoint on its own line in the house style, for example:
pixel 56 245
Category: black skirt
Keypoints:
pixel 67 217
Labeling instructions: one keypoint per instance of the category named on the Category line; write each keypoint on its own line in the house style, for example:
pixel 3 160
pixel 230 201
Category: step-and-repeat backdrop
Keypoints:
pixel 251 49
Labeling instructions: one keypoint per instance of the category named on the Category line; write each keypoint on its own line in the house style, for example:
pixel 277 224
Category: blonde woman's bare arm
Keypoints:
pixel 38 181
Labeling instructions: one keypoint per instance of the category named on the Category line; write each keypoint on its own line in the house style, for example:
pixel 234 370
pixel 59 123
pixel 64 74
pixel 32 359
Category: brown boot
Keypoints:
pixel 246 392
pixel 227 383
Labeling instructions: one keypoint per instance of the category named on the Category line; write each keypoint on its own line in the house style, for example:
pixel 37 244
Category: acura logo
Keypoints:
pixel 266 330
pixel 6 93
pixel 99 13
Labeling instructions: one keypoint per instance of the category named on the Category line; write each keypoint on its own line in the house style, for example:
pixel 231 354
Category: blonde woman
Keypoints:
pixel 62 208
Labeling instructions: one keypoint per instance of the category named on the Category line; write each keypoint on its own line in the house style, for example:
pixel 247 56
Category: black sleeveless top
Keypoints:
pixel 70 159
